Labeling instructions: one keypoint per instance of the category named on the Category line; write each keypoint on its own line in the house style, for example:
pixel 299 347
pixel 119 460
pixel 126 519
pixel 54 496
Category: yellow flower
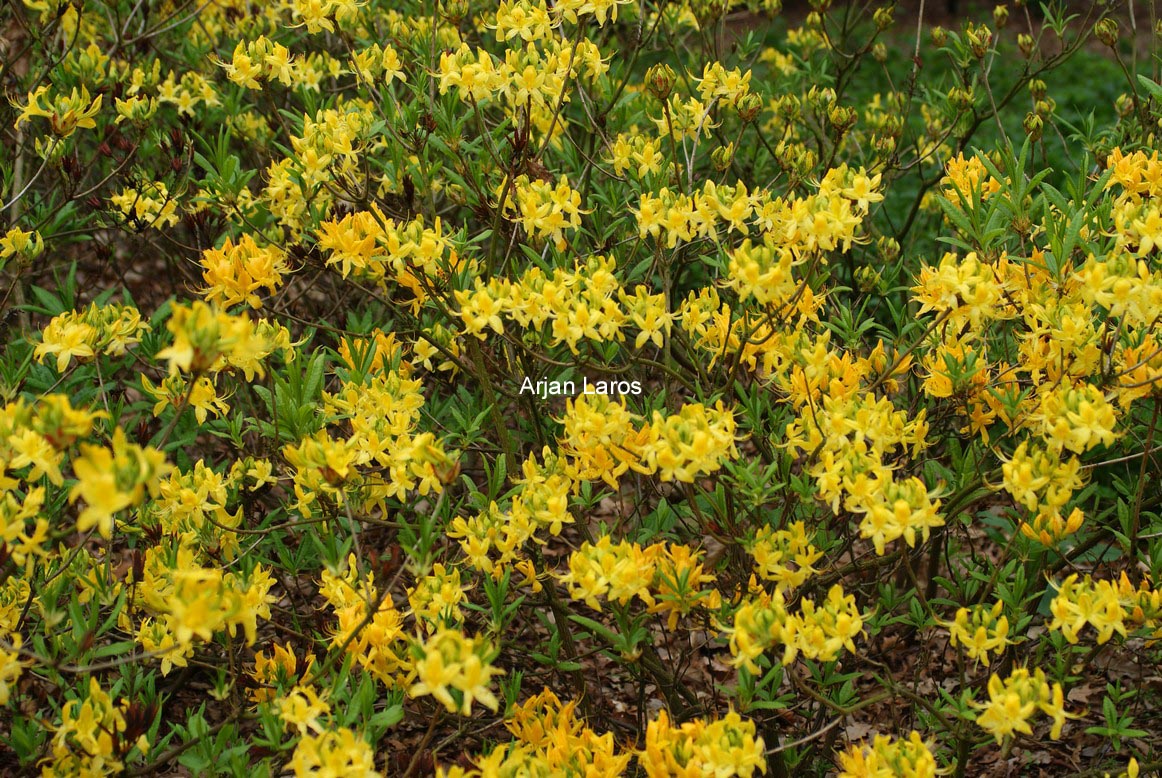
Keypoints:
pixel 980 631
pixel 456 670
pixel 547 211
pixel 25 243
pixel 110 480
pixel 65 113
pixel 886 757
pixel 88 742
pixel 616 573
pixel 337 754
pixel 784 556
pixel 11 666
pixel 234 273
pixel 722 748
pixel 301 708
pixel 694 441
pixel 1014 700
pixel 281 665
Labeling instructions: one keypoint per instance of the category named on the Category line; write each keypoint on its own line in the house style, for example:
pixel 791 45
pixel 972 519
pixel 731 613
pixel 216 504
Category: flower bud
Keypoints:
pixel 841 117
pixel 1001 16
pixel 821 97
pixel 889 249
pixel 1045 107
pixel 1124 105
pixel 1037 89
pixel 879 52
pixel 867 278
pixel 939 36
pixel 960 97
pixel 1034 126
pixel 1107 31
pixel 883 144
pixel 454 11
pixel 1025 43
pixel 660 81
pixel 979 39
pixel 749 106
pixel 722 157
pixel 883 18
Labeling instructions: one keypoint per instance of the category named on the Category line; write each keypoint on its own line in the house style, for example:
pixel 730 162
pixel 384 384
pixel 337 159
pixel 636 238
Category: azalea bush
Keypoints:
pixel 585 388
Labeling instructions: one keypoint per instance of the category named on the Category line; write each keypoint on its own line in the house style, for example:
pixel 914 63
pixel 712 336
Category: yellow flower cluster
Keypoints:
pixel 379 644
pixel 339 753
pixel 1083 328
pixel 694 441
pixel 887 757
pixel 378 64
pixel 754 338
pixel 764 272
pixel 34 438
pixel 456 670
pixel 176 391
pixel 100 329
pixel 669 217
pixel 187 92
pixel 964 289
pixel 1107 606
pixel 522 19
pixel 1040 480
pixel 980 631
pixel 436 598
pixel 550 740
pixel 11 665
pixel 541 503
pixel 586 303
pixel 322 15
pixel 1014 700
pixel 110 480
pixel 302 708
pixel 374 248
pixel 149 205
pixel 852 437
pixel 260 59
pixel 546 211
pixel 601 440
pixel 784 556
pixel 601 10
pixel 39 434
pixel 326 154
pixel 191 505
pixel 185 602
pixel 718 82
pixel 637 152
pixel 384 456
pixel 65 113
pixel 817 632
pixel 26 244
pixel 827 220
pixel 553 730
pixel 722 747
pixel 235 272
pixel 529 79
pixel 1076 417
pixel 88 739
pixel 279 669
pixel 666 577
pixel 207 340
pixel 968 177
